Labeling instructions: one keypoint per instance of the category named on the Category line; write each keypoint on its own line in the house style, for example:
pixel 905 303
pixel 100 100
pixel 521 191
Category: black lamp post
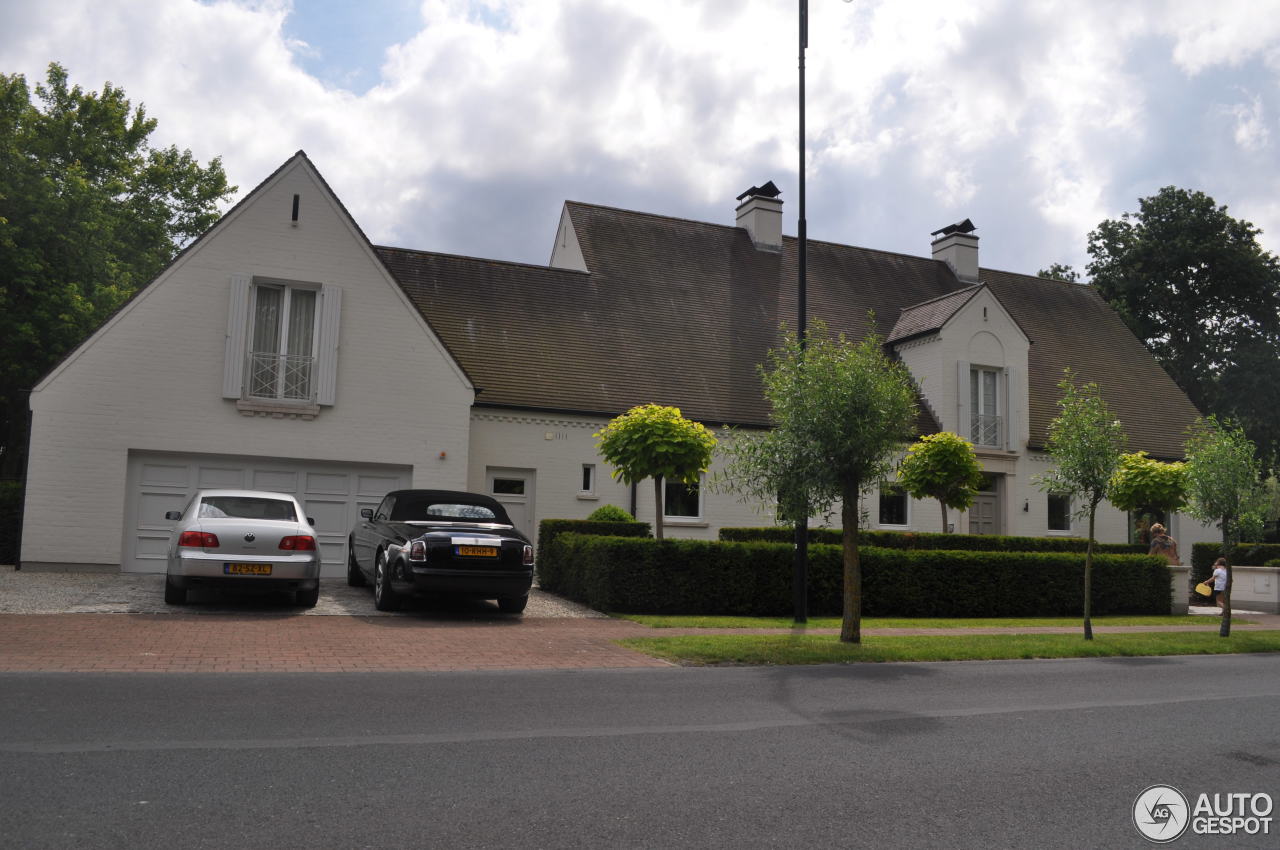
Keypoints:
pixel 800 572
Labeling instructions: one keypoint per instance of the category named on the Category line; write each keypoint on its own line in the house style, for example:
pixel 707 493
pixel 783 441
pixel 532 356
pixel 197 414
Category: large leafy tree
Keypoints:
pixel 89 212
pixel 1144 482
pixel 1193 283
pixel 1225 487
pixel 942 466
pixel 652 441
pixel 841 411
pixel 1085 442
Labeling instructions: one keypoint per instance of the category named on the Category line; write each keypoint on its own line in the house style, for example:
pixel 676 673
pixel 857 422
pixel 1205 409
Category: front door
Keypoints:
pixel 513 488
pixel 984 514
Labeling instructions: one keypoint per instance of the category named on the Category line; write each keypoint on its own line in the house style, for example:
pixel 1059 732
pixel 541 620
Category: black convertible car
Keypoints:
pixel 440 541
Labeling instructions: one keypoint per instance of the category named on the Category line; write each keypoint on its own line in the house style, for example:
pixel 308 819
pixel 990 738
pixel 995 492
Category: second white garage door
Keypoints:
pixel 331 493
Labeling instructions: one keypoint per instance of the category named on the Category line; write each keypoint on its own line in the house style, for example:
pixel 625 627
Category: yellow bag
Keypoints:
pixel 1204 589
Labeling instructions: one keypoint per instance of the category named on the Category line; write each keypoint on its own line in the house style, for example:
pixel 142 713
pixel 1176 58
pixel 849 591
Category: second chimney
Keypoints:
pixel 761 214
pixel 958 247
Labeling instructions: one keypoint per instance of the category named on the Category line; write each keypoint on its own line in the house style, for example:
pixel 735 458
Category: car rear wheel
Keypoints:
pixel 512 604
pixel 174 595
pixel 385 597
pixel 308 598
pixel 355 578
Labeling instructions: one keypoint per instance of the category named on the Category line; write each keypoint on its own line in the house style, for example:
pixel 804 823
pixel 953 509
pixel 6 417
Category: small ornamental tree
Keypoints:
pixel 1085 442
pixel 841 411
pixel 1143 482
pixel 942 466
pixel 652 441
pixel 1224 486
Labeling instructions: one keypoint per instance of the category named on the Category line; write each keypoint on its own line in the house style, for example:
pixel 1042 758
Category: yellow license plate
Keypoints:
pixel 478 551
pixel 246 569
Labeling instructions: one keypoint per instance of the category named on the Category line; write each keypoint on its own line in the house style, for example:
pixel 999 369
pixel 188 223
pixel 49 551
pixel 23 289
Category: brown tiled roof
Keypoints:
pixel 682 312
pixel 930 315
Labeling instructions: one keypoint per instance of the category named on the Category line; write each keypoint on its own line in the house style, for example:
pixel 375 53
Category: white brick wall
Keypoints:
pixel 151 379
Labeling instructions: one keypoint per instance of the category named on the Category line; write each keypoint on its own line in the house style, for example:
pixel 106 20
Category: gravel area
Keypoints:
pixel 28 592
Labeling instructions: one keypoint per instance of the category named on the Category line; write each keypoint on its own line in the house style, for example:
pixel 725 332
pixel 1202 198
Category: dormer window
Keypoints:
pixel 985 426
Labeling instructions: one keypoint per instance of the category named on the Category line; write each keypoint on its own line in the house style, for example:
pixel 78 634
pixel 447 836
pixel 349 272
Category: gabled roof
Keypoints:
pixel 682 312
pixel 929 316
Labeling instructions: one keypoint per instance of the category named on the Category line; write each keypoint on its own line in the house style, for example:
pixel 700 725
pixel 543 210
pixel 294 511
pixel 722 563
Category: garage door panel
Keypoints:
pixel 276 481
pixel 221 477
pixel 327 491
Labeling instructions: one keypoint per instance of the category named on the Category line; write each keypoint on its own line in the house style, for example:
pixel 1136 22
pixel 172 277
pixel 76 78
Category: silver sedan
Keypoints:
pixel 243 539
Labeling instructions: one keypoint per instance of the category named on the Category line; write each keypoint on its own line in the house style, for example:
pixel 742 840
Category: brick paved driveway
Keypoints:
pixel 77 622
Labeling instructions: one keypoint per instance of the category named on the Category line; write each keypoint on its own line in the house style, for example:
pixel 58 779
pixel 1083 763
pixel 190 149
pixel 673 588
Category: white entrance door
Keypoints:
pixel 332 494
pixel 514 489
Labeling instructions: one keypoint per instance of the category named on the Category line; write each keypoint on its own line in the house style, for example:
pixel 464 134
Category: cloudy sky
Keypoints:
pixel 461 127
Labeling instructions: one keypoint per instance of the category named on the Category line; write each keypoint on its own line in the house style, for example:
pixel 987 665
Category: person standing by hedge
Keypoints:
pixel 1164 545
pixel 1219 579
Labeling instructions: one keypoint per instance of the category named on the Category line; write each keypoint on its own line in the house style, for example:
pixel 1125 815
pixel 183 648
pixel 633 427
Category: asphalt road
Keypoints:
pixel 991 754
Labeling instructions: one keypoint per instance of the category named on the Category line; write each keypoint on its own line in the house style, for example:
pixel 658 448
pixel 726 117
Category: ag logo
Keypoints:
pixel 1161 813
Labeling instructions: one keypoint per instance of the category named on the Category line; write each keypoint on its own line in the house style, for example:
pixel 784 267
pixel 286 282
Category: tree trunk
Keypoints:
pixel 851 626
pixel 658 509
pixel 944 515
pixel 1224 630
pixel 1088 577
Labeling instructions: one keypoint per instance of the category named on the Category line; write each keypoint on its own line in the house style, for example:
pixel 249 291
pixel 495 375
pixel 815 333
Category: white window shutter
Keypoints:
pixel 1012 399
pixel 327 359
pixel 963 426
pixel 237 333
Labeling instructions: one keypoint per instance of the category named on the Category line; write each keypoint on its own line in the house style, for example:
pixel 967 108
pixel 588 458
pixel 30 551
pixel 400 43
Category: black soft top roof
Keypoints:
pixel 450 497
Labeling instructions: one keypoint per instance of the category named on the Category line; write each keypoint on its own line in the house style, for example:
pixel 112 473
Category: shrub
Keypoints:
pixel 1244 554
pixel 551 565
pixel 10 521
pixel 951 542
pixel 627 574
pixel 1274 562
pixel 610 513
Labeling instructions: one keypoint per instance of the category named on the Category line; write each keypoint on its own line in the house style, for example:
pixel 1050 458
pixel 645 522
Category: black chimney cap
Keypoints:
pixel 965 226
pixel 768 190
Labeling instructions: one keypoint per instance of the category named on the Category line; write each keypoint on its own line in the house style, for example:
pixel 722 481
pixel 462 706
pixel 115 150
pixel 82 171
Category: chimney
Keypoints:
pixel 761 215
pixel 957 245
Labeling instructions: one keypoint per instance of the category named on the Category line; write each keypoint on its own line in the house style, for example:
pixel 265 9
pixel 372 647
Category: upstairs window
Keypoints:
pixel 282 349
pixel 984 405
pixel 282 345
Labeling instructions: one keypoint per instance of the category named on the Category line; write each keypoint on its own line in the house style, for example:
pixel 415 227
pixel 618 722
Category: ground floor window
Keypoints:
pixel 681 501
pixel 1059 512
pixel 893 504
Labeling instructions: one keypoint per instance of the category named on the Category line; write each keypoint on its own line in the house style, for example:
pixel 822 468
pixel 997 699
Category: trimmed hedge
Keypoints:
pixel 550 566
pixel 949 542
pixel 626 574
pixel 10 524
pixel 1244 554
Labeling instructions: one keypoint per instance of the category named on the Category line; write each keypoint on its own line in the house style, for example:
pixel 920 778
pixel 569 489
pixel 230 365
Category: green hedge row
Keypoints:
pixel 1244 554
pixel 950 542
pixel 10 525
pixel 627 574
pixel 550 567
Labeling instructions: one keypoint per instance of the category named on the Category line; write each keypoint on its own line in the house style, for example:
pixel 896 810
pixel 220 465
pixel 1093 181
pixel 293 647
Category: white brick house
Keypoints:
pixel 283 351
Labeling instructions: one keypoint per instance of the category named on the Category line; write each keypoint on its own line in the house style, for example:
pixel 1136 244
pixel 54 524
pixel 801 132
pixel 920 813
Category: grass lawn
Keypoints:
pixel 700 622
pixel 827 649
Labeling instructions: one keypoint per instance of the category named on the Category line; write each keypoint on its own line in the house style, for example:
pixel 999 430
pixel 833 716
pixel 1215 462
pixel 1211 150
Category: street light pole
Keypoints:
pixel 800 571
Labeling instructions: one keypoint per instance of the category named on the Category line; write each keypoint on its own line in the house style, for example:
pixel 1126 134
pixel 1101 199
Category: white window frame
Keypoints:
pixel 682 518
pixel 906 504
pixel 1071 526
pixel 975 411
pixel 587 472
pixel 287 290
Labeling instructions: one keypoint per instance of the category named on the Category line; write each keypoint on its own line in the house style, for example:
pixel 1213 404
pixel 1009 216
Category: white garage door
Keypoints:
pixel 331 493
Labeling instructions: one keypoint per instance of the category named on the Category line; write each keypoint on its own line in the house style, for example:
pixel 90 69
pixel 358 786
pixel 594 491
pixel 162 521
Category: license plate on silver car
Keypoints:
pixel 246 569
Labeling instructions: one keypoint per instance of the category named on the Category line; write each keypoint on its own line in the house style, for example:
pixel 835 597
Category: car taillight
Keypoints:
pixel 528 556
pixel 298 543
pixel 417 551
pixel 198 539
